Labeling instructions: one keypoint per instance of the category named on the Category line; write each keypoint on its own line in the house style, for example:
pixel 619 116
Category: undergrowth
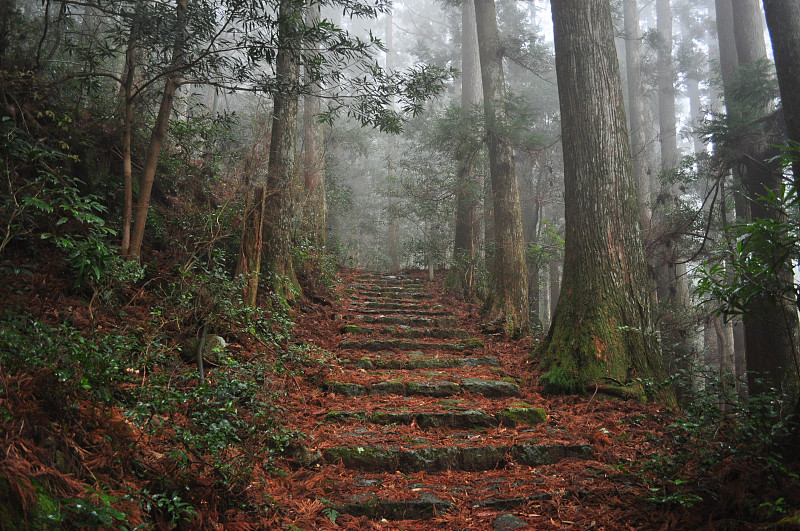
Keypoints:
pixel 734 458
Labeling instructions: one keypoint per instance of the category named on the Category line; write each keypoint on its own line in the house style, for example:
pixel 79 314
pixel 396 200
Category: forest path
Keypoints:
pixel 416 420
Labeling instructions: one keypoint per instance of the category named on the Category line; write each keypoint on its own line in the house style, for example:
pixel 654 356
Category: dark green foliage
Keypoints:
pixel 732 462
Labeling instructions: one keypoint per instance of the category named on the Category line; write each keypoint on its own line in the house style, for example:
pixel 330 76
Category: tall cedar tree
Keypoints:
pixel 509 301
pixel 783 20
pixel 602 330
pixel 467 235
pixel 633 68
pixel 770 324
pixel 315 208
pixel 277 259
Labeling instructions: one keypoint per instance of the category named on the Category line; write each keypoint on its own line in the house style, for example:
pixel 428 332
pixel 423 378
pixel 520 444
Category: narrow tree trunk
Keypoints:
pixel 158 134
pixel 510 294
pixel 602 328
pixel 277 260
pixel 250 249
pixel 127 128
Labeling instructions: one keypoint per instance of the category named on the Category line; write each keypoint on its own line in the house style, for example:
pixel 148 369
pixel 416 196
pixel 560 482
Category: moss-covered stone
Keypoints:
pixel 482 458
pixel 514 416
pixel 352 329
pixel 490 388
pixel 438 389
pixel 346 388
pixel 471 343
pixel 431 459
pixel 395 387
pixel 367 458
pixel 426 506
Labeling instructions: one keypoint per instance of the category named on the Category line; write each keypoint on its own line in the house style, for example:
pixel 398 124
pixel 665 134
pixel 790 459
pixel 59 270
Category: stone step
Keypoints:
pixel 404 312
pixel 427 505
pixel 415 361
pixel 375 345
pixel 378 305
pixel 442 458
pixel 441 322
pixel 463 419
pixel 487 388
pixel 408 333
pixel 393 295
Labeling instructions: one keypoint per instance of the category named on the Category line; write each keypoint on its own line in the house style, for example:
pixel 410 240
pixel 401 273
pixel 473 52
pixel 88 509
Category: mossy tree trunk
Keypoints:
pixel 277 258
pixel 602 330
pixel 510 283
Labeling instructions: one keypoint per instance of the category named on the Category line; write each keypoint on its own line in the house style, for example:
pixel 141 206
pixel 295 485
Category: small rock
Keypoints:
pixel 508 522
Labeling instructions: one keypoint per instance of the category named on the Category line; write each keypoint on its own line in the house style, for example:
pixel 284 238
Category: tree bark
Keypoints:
pixel 510 293
pixel 316 208
pixel 602 327
pixel 783 21
pixel 158 134
pixel 770 323
pixel 467 233
pixel 250 249
pixel 633 62
pixel 127 128
pixel 277 260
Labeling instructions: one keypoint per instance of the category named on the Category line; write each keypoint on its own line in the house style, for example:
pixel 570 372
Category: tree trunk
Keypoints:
pixel 672 284
pixel 770 324
pixel 467 234
pixel 510 293
pixel 316 208
pixel 602 328
pixel 783 20
pixel 250 249
pixel 633 62
pixel 127 128
pixel 277 260
pixel 158 134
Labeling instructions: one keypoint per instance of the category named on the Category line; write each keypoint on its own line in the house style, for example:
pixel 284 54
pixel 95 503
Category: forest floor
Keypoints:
pixel 389 407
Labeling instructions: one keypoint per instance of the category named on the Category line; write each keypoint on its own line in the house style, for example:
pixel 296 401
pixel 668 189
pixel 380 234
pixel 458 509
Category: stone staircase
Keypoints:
pixel 418 419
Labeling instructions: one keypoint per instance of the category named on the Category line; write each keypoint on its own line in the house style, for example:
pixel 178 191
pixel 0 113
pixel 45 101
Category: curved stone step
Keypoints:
pixel 438 459
pixel 487 388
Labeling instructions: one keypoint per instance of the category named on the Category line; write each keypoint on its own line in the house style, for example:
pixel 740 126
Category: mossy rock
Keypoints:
pixel 346 389
pixel 471 343
pixel 426 506
pixel 514 416
pixel 437 389
pixel 352 329
pixel 367 458
pixel 490 388
pixel 395 387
